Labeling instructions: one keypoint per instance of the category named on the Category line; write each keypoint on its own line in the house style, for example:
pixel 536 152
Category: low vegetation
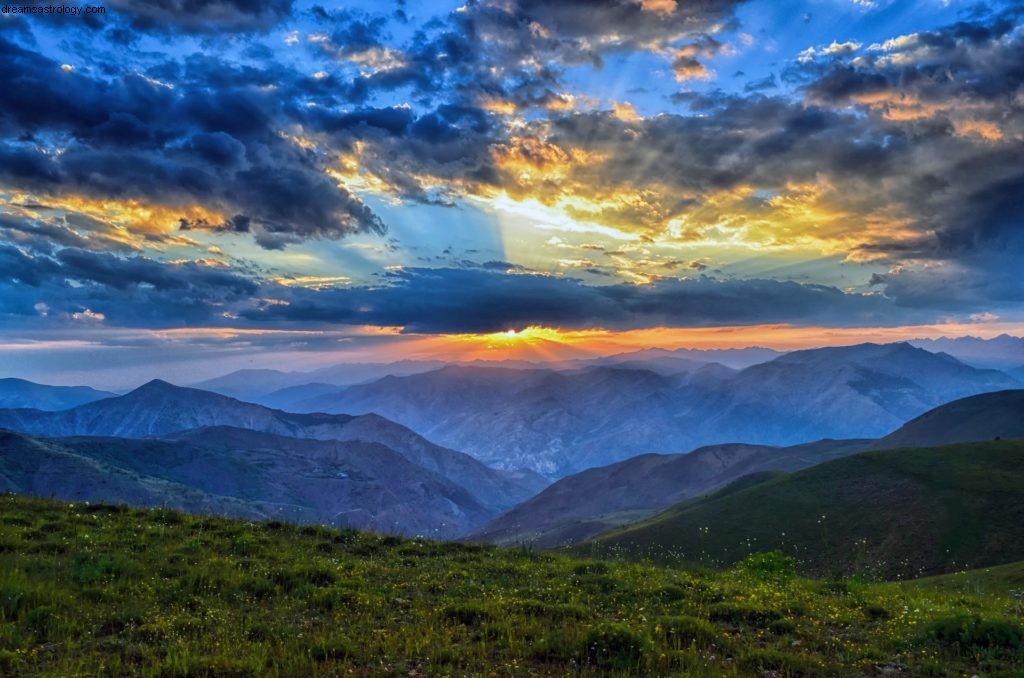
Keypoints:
pixel 102 590
pixel 891 514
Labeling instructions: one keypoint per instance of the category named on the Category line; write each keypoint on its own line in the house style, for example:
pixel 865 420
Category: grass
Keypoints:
pixel 106 590
pixel 893 514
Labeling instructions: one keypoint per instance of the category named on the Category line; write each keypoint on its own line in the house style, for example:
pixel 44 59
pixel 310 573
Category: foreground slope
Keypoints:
pixel 583 505
pixel 982 417
pixel 243 473
pixel 895 513
pixel 92 589
pixel 22 393
pixel 161 409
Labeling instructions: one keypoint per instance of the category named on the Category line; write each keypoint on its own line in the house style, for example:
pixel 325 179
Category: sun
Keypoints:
pixel 527 336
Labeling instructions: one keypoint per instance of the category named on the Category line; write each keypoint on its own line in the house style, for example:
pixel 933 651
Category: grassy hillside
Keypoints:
pixel 997 580
pixel 989 416
pixel 104 590
pixel 894 514
pixel 584 505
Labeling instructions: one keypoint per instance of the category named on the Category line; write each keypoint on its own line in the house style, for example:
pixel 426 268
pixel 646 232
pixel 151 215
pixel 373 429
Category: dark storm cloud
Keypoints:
pixel 949 91
pixel 609 25
pixel 181 143
pixel 202 16
pixel 138 291
pixel 845 82
pixel 127 291
pixel 516 50
pixel 482 300
pixel 888 127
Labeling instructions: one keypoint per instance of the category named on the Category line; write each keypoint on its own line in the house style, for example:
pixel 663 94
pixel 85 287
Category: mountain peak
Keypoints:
pixel 157 386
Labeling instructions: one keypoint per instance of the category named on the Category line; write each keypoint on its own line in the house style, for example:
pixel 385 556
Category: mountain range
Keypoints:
pixel 561 422
pixel 21 393
pixel 159 409
pixel 583 505
pixel 1003 352
pixel 594 425
pixel 288 390
pixel 246 474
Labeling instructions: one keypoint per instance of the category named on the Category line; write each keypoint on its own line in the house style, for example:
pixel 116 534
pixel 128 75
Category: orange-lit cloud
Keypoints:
pixel 547 343
pixel 658 6
pixel 135 224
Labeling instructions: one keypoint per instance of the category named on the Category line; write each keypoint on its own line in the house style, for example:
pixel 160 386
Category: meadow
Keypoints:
pixel 109 590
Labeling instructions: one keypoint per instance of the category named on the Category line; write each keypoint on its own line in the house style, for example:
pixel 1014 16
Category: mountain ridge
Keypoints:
pixel 158 408
pixel 247 474
pixel 562 422
pixel 897 513
pixel 23 393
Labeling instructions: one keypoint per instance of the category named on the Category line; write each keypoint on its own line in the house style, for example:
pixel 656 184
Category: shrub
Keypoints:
pixel 836 587
pixel 683 631
pixel 87 568
pixel 256 586
pixel 552 611
pixel 876 611
pixel 735 613
pixel 782 627
pixel 773 660
pixel 40 620
pixel 332 649
pixel 974 631
pixel 614 646
pixel 591 568
pixel 467 614
pixel 671 593
pixel 596 583
pixel 769 566
pixel 300 577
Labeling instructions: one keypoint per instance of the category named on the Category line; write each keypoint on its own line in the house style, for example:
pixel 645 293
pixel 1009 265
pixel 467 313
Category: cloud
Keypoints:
pixel 203 16
pixel 905 154
pixel 136 138
pixel 136 291
pixel 481 300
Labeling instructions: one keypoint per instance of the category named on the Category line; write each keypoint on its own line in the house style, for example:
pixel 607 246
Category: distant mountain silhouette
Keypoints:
pixel 1003 352
pixel 21 393
pixel 161 409
pixel 561 422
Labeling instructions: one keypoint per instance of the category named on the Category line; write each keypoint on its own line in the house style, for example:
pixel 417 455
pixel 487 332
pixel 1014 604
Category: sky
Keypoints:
pixel 192 186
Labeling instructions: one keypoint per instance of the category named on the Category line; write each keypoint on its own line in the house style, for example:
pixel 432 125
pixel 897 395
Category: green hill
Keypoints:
pixel 997 580
pixel 99 590
pixel 989 416
pixel 894 513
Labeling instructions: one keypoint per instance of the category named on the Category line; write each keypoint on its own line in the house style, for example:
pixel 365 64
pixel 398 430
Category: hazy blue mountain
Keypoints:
pixel 272 387
pixel 861 391
pixel 1003 352
pixel 161 409
pixel 20 393
pixel 244 473
pixel 252 384
pixel 734 358
pixel 290 397
pixel 561 422
pixel 977 418
pixel 583 505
